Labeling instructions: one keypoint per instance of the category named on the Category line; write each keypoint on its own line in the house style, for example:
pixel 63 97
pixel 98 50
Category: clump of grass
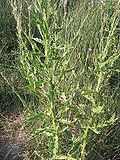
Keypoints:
pixel 8 38
pixel 67 65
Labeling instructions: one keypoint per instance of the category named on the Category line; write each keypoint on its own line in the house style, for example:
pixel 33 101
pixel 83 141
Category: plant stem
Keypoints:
pixel 83 147
pixel 84 143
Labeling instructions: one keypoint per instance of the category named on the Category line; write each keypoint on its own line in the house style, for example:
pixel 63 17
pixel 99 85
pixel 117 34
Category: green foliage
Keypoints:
pixel 66 60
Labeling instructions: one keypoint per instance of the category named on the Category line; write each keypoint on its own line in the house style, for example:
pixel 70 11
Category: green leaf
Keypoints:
pixel 38 40
pixel 64 96
pixel 112 120
pixel 39 83
pixel 68 134
pixel 64 129
pixel 65 157
pixel 61 47
pixel 40 131
pixel 97 110
pixel 32 43
pixel 56 30
pixel 48 133
pixel 75 147
pixel 94 130
pixel 57 58
pixel 62 157
pixel 64 121
pixel 36 117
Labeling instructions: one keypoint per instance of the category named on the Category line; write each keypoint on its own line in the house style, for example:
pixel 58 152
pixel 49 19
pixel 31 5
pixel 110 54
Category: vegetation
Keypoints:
pixel 59 71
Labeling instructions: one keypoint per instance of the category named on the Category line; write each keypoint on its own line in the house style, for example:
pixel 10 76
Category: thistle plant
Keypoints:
pixel 66 62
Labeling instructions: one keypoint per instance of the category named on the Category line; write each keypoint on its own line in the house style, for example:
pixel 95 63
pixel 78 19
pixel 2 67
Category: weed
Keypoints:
pixel 67 56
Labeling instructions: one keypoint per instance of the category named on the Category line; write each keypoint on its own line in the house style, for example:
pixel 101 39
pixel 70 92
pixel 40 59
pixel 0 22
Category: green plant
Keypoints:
pixel 67 65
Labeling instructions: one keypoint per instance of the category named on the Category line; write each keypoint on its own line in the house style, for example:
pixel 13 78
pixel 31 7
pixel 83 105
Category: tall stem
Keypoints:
pixel 84 144
pixel 85 136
